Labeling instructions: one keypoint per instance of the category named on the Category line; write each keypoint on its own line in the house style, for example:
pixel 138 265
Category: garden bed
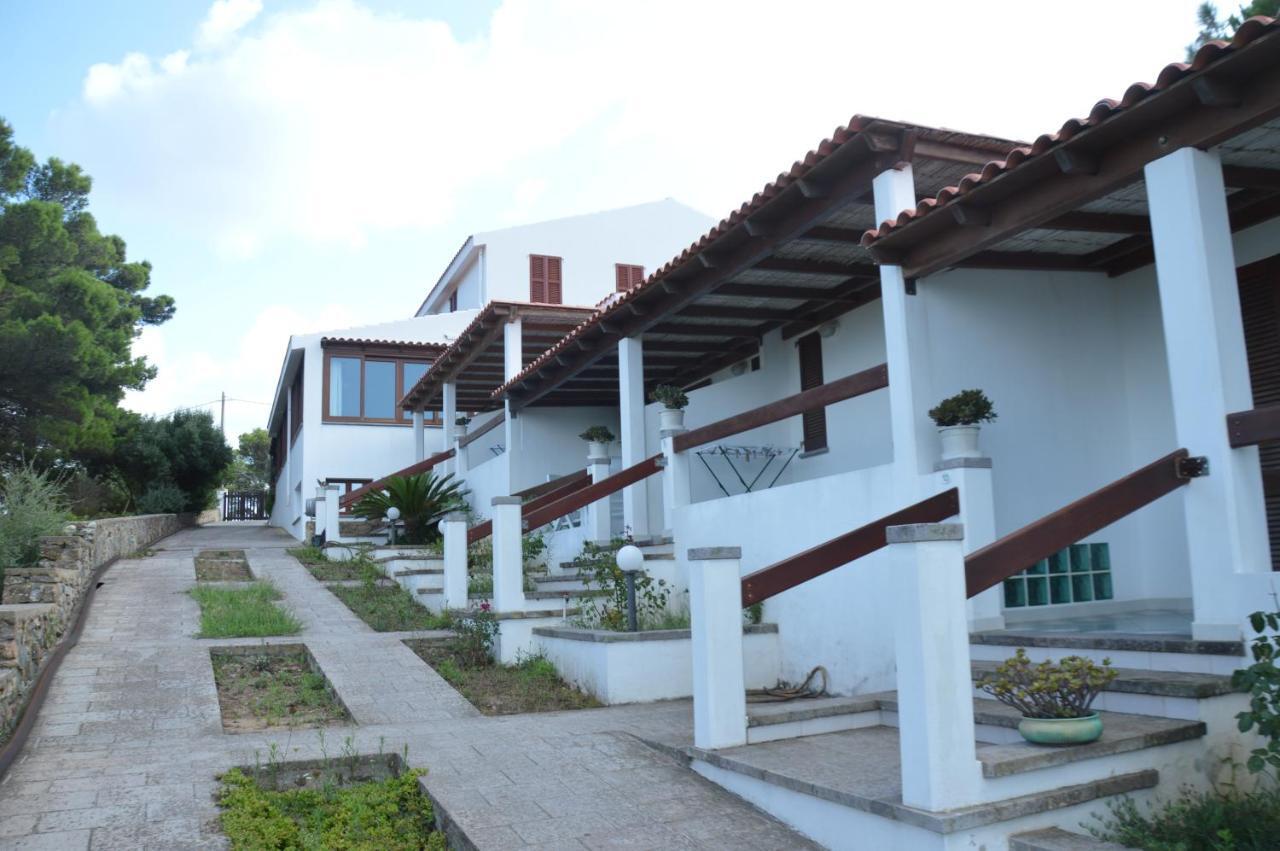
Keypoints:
pixel 350 802
pixel 277 685
pixel 243 612
pixel 222 566
pixel 532 685
pixel 325 569
pixel 388 607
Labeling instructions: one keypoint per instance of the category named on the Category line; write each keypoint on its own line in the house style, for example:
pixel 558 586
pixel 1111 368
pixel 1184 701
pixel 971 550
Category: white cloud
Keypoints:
pixel 225 19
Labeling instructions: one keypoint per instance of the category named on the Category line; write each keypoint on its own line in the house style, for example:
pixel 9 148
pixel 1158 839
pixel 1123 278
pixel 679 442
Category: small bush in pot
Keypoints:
pixel 597 434
pixel 671 397
pixel 968 407
pixel 461 420
pixel 1055 698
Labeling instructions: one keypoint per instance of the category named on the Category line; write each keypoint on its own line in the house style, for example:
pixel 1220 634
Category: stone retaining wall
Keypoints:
pixel 39 603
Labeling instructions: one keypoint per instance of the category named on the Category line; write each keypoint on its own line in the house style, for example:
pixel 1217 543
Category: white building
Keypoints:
pixel 336 416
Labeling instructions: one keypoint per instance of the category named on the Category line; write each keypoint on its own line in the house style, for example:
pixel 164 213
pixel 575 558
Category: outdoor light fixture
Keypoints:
pixel 829 329
pixel 393 514
pixel 631 562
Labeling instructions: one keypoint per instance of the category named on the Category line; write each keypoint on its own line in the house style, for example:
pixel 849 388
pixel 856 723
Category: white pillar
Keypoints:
pixel 332 498
pixel 320 512
pixel 454 528
pixel 940 769
pixel 676 492
pixel 419 436
pixel 513 361
pixel 635 500
pixel 449 413
pixel 1226 524
pixel 598 514
pixel 512 349
pixel 972 476
pixel 719 681
pixel 906 336
pixel 508 567
pixel 460 461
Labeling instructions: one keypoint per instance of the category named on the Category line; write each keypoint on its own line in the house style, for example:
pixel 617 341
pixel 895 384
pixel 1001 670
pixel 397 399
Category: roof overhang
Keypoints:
pixel 789 260
pixel 292 363
pixel 462 260
pixel 1073 200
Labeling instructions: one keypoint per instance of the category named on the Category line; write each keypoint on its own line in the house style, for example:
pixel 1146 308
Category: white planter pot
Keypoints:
pixel 459 430
pixel 670 418
pixel 596 449
pixel 959 441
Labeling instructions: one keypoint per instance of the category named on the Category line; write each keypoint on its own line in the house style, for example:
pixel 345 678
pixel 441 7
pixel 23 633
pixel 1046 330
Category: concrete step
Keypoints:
pixel 558 594
pixel 1152 652
pixel 1057 839
pixel 419 571
pixel 549 579
pixel 388 559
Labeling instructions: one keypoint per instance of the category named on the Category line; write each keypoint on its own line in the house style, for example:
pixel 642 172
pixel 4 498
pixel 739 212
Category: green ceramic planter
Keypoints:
pixel 1061 731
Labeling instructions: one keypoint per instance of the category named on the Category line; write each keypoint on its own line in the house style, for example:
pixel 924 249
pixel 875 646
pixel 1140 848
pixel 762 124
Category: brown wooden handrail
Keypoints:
pixel 422 466
pixel 585 496
pixel 821 396
pixel 561 488
pixel 1018 550
pixel 815 561
pixel 1249 428
pixel 482 430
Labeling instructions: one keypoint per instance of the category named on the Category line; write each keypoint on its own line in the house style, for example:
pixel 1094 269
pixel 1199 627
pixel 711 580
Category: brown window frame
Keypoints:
pixel 546 287
pixel 389 355
pixel 453 301
pixel 295 406
pixel 627 276
pixel 809 357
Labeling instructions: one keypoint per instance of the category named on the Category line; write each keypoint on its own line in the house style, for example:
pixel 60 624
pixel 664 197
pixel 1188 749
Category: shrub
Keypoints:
pixel 1262 681
pixel 32 505
pixel 422 500
pixel 1065 689
pixel 670 396
pixel 968 407
pixel 1196 821
pixel 598 434
pixel 164 498
pixel 599 564
pixel 474 634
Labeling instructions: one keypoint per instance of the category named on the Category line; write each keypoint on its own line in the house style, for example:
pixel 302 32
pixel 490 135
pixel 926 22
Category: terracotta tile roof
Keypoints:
pixel 1250 31
pixel 364 341
pixel 842 135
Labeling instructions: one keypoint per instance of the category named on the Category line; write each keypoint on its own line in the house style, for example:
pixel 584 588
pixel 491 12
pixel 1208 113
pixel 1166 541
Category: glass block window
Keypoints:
pixel 1081 573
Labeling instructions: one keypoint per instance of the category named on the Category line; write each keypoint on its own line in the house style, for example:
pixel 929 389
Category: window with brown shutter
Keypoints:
pixel 545 281
pixel 627 276
pixel 815 422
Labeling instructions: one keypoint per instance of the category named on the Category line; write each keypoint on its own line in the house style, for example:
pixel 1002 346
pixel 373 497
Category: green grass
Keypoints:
pixel 247 612
pixel 378 815
pixel 531 685
pixel 388 608
pixel 1197 821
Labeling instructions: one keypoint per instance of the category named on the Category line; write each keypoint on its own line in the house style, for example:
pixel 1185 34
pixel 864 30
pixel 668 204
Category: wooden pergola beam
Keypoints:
pixel 801 266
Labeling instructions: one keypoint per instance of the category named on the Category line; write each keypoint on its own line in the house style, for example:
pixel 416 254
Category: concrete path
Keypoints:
pixel 126 748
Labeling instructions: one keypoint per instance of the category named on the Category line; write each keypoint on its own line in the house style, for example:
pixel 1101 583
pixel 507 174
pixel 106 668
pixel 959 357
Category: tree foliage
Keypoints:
pixel 155 455
pixel 71 305
pixel 250 469
pixel 1212 27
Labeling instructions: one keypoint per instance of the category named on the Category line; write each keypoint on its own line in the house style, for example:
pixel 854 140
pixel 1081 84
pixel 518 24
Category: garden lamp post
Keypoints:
pixel 393 514
pixel 631 562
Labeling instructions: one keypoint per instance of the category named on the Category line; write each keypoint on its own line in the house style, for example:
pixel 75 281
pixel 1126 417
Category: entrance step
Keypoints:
pixel 1057 839
pixel 768 722
pixel 560 594
pixel 1126 650
pixel 419 571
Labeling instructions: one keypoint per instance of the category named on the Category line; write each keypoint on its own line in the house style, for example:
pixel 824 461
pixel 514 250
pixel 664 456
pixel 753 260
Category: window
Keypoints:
pixel 627 277
pixel 1079 574
pixel 815 421
pixel 367 387
pixel 545 282
pixel 453 302
pixel 295 406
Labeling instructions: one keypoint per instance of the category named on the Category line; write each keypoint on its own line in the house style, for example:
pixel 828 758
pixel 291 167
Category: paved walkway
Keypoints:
pixel 127 746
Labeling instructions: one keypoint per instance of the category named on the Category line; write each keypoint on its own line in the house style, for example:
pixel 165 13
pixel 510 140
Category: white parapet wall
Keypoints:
pixel 637 667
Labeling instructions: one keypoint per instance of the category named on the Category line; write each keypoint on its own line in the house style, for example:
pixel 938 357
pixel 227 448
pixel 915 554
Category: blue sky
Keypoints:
pixel 295 165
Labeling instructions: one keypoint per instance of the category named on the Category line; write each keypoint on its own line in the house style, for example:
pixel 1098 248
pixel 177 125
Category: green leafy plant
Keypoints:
pixel 754 613
pixel 968 407
pixel 247 612
pixel 162 498
pixel 599 566
pixel 1196 821
pixel 598 434
pixel 474 635
pixel 461 419
pixel 421 499
pixel 32 505
pixel 672 397
pixel 1064 689
pixel 1262 681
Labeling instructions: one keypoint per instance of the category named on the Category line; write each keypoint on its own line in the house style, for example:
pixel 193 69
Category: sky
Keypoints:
pixel 291 166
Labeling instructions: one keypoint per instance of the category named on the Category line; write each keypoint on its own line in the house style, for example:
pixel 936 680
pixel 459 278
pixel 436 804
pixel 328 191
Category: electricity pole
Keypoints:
pixel 222 419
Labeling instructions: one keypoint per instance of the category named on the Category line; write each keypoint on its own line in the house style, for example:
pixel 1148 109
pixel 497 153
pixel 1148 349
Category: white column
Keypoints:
pixel 513 360
pixel 635 501
pixel 320 512
pixel 676 491
pixel 940 769
pixel 598 513
pixel 719 681
pixel 449 413
pixel 512 349
pixel 460 462
pixel 972 476
pixel 454 528
pixel 332 498
pixel 508 569
pixel 419 436
pixel 906 336
pixel 1226 524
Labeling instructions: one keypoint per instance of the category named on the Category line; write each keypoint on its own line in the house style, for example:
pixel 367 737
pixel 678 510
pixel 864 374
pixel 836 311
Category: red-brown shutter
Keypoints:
pixel 815 422
pixel 555 291
pixel 537 278
pixel 1260 310
pixel 627 276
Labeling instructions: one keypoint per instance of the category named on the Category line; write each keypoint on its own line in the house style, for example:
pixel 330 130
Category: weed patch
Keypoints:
pixel 1197 821
pixel 245 612
pixel 281 688
pixel 531 685
pixel 388 608
pixel 222 566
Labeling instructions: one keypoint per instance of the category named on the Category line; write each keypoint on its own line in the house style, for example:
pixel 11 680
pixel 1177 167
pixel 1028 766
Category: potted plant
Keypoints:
pixel 674 400
pixel 1053 697
pixel 959 418
pixel 460 424
pixel 598 439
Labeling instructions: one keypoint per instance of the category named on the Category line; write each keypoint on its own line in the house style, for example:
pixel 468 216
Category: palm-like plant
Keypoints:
pixel 422 499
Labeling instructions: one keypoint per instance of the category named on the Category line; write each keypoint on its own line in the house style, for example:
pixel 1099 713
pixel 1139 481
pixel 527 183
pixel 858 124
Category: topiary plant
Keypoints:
pixel 670 396
pixel 968 407
pixel 598 434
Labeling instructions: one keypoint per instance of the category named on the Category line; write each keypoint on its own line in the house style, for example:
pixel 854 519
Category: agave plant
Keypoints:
pixel 422 499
